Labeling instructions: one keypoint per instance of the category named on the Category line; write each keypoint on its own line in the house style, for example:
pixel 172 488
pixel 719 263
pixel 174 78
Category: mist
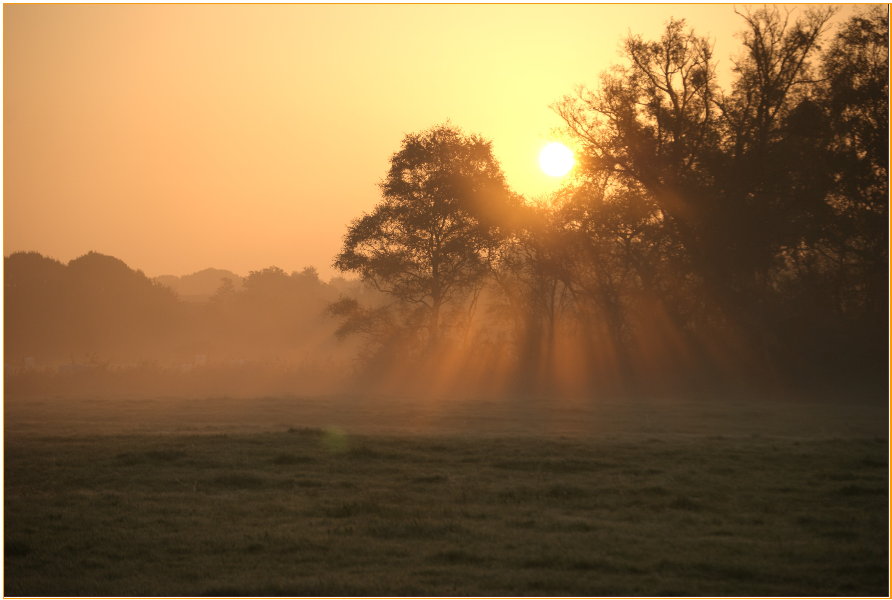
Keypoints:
pixel 665 375
pixel 96 326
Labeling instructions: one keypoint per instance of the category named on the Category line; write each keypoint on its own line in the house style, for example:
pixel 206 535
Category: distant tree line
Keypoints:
pixel 95 310
pixel 713 233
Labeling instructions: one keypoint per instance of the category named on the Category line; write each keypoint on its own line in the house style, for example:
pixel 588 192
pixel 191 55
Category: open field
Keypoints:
pixel 331 497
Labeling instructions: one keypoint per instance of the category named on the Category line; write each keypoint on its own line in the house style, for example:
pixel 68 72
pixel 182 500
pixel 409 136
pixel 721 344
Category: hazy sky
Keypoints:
pixel 179 137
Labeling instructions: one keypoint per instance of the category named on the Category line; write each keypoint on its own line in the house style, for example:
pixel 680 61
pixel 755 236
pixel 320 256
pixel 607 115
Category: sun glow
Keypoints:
pixel 556 160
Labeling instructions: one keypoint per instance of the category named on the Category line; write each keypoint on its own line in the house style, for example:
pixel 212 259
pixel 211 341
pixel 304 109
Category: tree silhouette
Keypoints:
pixel 445 205
pixel 856 95
pixel 737 231
pixel 739 181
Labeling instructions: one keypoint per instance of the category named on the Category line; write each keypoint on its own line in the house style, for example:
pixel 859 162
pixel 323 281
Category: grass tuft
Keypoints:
pixel 430 479
pixel 413 529
pixel 313 432
pixel 858 490
pixel 292 459
pixel 348 510
pixel 13 548
pixel 456 557
pixel 238 481
pixel 563 491
pixel 151 456
pixel 686 503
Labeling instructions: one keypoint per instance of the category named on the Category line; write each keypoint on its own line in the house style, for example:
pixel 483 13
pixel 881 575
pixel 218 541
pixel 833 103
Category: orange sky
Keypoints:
pixel 179 137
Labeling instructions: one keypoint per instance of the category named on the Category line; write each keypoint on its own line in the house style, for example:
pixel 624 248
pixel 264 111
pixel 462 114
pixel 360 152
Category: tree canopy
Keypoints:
pixel 444 207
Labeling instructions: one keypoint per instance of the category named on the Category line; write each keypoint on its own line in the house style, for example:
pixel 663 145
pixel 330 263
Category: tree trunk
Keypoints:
pixel 434 325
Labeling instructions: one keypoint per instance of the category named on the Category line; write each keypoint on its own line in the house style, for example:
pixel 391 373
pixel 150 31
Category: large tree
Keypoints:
pixel 444 206
pixel 734 179
pixel 856 92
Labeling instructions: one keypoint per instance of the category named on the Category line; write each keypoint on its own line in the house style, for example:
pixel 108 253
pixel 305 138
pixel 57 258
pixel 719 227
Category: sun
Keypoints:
pixel 556 160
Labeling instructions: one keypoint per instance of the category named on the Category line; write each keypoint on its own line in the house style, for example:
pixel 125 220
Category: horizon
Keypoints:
pixel 335 275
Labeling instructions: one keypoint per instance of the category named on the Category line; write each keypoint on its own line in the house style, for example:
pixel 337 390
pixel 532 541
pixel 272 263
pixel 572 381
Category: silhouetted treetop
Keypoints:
pixel 445 204
pixel 758 197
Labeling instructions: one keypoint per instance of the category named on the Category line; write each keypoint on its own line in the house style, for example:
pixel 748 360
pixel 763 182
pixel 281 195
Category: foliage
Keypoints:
pixel 756 200
pixel 443 208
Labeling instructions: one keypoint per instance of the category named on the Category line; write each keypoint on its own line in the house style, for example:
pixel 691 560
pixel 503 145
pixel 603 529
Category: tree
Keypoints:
pixel 652 124
pixel 837 278
pixel 445 205
pixel 526 271
pixel 735 180
pixel 856 93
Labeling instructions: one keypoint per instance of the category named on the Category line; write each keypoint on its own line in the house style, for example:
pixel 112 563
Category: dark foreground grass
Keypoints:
pixel 309 512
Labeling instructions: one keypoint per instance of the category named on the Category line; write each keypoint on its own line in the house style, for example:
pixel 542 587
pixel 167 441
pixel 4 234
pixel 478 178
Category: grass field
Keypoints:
pixel 615 506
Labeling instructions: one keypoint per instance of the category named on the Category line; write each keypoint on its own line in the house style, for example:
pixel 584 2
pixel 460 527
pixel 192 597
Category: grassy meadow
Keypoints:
pixel 330 497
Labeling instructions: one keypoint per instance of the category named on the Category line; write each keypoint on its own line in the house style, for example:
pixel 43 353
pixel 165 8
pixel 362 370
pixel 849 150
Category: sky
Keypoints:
pixel 178 137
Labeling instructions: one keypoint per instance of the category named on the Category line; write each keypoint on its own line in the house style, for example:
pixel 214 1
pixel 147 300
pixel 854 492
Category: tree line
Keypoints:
pixel 97 311
pixel 713 233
